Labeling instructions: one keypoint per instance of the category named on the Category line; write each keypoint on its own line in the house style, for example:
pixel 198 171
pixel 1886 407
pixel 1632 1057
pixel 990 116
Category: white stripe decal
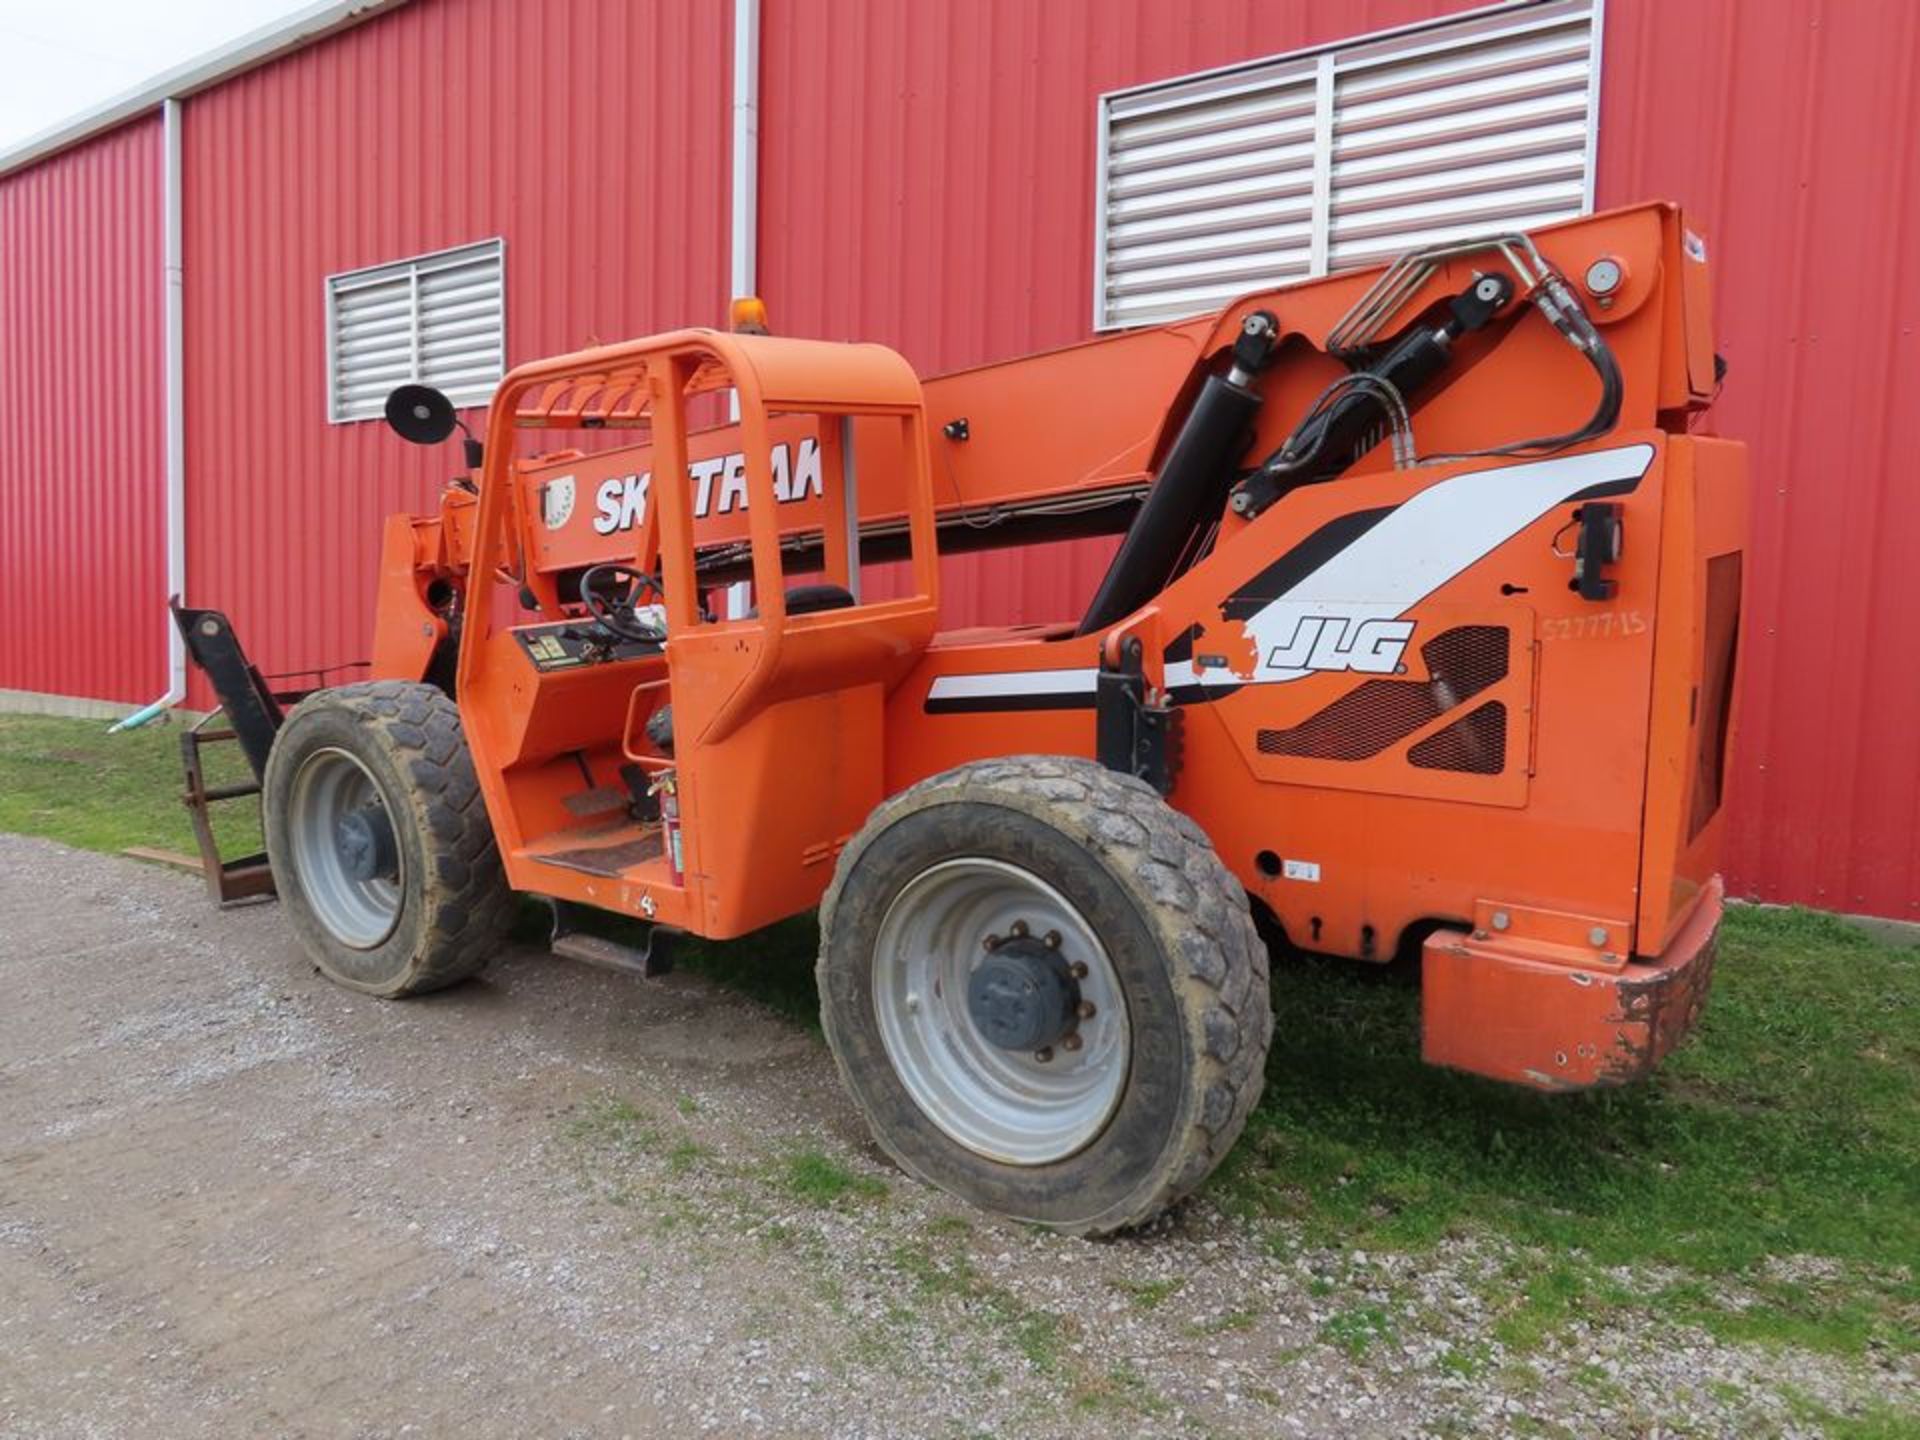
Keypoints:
pixel 1352 603
pixel 1009 684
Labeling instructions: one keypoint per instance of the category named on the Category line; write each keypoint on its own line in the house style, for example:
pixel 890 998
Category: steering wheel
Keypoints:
pixel 617 611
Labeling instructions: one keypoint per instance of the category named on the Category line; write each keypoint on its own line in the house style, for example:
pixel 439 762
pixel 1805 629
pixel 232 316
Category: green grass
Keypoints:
pixel 1150 1294
pixel 1542 1295
pixel 1468 1359
pixel 1229 1323
pixel 1790 1125
pixel 72 781
pixel 685 1155
pixel 821 1180
pixel 1877 1421
pixel 615 1125
pixel 1357 1329
pixel 774 966
pixel 945 1273
pixel 1120 1390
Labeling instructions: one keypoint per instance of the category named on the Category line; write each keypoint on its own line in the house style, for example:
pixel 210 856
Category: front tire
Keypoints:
pixel 1111 1057
pixel 381 848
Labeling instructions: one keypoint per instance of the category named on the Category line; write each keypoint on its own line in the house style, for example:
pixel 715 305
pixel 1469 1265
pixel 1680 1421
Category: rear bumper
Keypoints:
pixel 1490 1008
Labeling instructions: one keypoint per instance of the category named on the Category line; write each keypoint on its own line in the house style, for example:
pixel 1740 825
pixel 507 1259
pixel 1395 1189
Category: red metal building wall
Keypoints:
pixel 590 134
pixel 927 179
pixel 82 422
pixel 1788 130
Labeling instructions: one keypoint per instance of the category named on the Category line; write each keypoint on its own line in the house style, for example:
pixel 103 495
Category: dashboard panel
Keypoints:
pixel 571 644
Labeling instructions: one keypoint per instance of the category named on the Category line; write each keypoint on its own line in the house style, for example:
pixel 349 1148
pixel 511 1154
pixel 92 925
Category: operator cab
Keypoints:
pixel 693 690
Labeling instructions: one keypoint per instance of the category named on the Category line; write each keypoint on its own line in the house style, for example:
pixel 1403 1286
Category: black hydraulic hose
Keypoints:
pixel 1350 424
pixel 1209 444
pixel 1557 303
pixel 1349 418
pixel 1187 492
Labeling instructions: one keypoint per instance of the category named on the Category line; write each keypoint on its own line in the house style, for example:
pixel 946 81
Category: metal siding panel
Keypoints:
pixel 927 173
pixel 1752 116
pixel 438 124
pixel 82 407
pixel 946 212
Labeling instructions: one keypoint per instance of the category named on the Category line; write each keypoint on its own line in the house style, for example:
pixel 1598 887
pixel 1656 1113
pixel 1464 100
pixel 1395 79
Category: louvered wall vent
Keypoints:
pixel 1226 182
pixel 438 319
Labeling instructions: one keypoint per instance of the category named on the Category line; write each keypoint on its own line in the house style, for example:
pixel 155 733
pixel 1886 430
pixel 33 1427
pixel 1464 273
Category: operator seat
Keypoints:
pixel 809 599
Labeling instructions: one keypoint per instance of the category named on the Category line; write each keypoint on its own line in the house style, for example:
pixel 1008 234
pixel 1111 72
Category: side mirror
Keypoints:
pixel 421 414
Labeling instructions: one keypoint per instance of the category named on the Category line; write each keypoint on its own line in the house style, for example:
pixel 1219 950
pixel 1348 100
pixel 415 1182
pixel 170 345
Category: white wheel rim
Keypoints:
pixel 328 786
pixel 1009 1106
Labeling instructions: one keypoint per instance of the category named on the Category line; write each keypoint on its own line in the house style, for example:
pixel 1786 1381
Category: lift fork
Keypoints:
pixel 253 711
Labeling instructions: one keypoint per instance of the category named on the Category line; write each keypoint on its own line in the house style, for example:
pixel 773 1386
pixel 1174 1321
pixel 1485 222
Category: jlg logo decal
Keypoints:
pixel 1342 642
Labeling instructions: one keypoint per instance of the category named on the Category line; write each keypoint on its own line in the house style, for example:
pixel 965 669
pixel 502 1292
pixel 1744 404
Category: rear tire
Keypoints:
pixel 1126 888
pixel 387 754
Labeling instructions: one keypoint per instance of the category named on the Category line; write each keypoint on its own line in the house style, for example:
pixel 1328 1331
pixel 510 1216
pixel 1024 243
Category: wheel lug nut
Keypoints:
pixel 1053 939
pixel 1043 1054
pixel 1070 1042
pixel 1087 1012
pixel 1078 969
pixel 1020 929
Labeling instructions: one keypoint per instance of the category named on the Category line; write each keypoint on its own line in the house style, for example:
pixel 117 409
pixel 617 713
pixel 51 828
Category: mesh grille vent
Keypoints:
pixel 1467 660
pixel 1379 714
pixel 1360 724
pixel 1475 744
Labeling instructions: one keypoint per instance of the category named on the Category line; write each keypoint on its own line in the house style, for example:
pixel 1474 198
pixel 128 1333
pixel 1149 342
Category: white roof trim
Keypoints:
pixel 256 47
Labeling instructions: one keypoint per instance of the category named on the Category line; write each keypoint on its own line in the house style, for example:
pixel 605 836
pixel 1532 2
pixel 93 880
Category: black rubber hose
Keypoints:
pixel 1584 336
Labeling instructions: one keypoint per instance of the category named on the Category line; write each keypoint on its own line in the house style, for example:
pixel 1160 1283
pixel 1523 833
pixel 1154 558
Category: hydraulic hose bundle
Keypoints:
pixel 1349 417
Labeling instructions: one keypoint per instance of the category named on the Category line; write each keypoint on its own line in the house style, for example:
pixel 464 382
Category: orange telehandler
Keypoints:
pixel 1418 638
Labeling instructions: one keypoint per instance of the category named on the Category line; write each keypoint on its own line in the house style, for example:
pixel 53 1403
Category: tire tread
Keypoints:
pixel 1192 901
pixel 469 906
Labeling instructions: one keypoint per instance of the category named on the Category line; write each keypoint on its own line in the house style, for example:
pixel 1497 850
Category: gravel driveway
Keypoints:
pixel 237 1201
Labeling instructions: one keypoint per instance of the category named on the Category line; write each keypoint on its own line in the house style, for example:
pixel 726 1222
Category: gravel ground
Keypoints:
pixel 235 1200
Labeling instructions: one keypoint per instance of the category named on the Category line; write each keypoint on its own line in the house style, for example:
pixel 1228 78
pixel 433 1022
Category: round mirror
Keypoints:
pixel 420 413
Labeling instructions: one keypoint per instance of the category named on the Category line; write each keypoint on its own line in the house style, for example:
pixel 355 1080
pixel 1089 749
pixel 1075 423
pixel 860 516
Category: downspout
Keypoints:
pixel 746 146
pixel 174 364
pixel 743 269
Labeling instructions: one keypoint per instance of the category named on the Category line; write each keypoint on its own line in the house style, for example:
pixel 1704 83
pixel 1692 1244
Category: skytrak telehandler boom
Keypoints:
pixel 1418 638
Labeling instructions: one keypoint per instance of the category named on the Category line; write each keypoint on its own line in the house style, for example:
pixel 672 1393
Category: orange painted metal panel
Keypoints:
pixel 1501 1010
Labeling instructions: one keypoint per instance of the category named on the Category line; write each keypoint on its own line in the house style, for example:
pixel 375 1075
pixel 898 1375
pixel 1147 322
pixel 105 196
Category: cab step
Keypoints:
pixel 650 960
